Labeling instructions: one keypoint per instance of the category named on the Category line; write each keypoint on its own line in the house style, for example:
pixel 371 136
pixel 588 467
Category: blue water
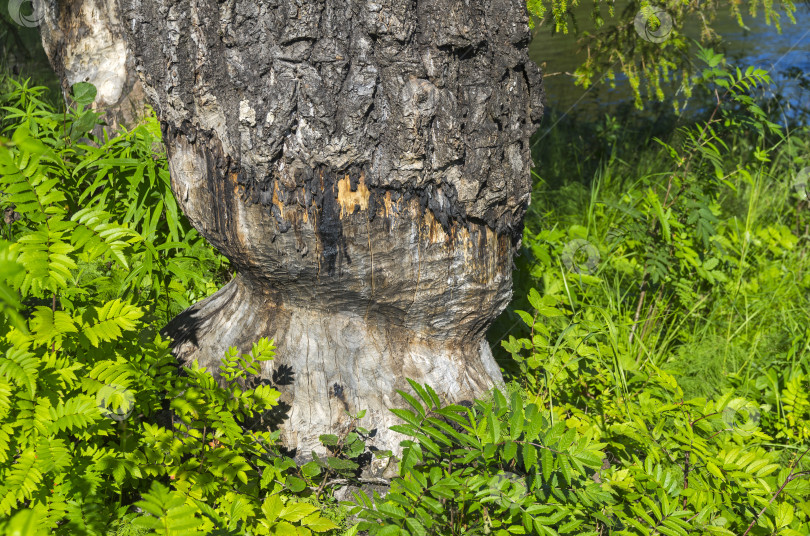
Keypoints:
pixel 759 44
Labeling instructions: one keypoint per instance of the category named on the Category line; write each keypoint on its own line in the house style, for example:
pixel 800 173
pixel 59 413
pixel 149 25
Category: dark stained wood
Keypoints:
pixel 365 166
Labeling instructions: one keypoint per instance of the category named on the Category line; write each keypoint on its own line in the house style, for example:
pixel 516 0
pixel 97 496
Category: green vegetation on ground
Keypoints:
pixel 656 356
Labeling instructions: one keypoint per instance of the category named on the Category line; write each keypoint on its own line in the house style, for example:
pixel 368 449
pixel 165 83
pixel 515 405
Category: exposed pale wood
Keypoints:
pixel 365 166
pixel 85 42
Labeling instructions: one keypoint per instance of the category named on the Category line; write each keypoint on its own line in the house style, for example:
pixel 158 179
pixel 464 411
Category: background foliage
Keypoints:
pixel 656 353
pixel 98 427
pixel 650 44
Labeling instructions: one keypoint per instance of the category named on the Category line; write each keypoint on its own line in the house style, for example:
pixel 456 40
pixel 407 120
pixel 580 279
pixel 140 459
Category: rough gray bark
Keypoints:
pixel 85 42
pixel 365 166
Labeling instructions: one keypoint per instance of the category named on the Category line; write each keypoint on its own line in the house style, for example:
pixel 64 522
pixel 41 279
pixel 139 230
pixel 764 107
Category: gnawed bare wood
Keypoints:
pixel 85 42
pixel 365 166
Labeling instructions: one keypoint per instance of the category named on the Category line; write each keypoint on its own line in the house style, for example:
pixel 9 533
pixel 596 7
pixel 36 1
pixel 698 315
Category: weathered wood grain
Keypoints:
pixel 86 42
pixel 365 166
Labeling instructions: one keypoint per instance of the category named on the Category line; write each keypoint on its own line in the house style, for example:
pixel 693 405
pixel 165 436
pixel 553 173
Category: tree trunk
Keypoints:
pixel 365 166
pixel 85 42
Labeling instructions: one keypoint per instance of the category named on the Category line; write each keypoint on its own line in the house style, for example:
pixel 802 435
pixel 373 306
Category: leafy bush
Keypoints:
pixel 100 209
pixel 670 316
pixel 97 421
pixel 709 457
pixel 494 467
pixel 643 462
pixel 638 287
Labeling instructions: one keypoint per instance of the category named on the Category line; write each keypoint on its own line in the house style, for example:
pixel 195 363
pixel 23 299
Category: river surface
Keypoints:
pixel 758 44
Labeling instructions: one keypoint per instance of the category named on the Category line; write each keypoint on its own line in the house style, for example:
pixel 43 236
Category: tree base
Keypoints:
pixel 330 366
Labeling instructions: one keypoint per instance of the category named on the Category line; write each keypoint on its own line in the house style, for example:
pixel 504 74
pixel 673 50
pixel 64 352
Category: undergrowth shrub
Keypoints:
pixel 606 427
pixel 496 467
pixel 100 430
pixel 694 247
pixel 708 459
pixel 670 315
pixel 648 463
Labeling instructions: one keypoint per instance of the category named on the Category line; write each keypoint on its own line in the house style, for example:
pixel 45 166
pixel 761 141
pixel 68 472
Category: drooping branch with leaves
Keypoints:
pixel 649 43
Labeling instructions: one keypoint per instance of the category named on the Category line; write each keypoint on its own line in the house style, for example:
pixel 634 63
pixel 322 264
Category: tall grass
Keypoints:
pixel 590 182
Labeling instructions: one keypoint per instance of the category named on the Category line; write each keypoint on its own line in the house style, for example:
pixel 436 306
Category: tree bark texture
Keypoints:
pixel 365 166
pixel 85 42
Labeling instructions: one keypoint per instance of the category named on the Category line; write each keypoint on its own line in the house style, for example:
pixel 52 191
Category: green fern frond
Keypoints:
pixel 114 317
pixel 226 424
pixel 24 182
pixel 109 372
pixel 279 517
pixel 262 397
pixel 263 350
pixel 20 482
pixel 20 366
pixel 48 326
pixel 183 408
pixel 236 365
pixel 5 398
pixel 98 236
pixel 200 376
pixel 56 510
pixel 6 432
pixel 172 516
pixel 86 513
pixel 45 256
pixel 52 454
pixel 77 413
pixel 35 416
pixel 796 404
pixel 10 269
pixel 794 397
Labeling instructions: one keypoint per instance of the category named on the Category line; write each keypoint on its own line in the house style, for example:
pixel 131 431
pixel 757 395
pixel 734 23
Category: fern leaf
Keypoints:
pixel 86 514
pixel 98 236
pixel 20 482
pixel 6 431
pixel 172 516
pixel 52 454
pixel 108 372
pixel 19 366
pixel 10 269
pixel 48 326
pixel 5 398
pixel 77 413
pixel 45 257
pixel 24 181
pixel 113 318
pixel 227 424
